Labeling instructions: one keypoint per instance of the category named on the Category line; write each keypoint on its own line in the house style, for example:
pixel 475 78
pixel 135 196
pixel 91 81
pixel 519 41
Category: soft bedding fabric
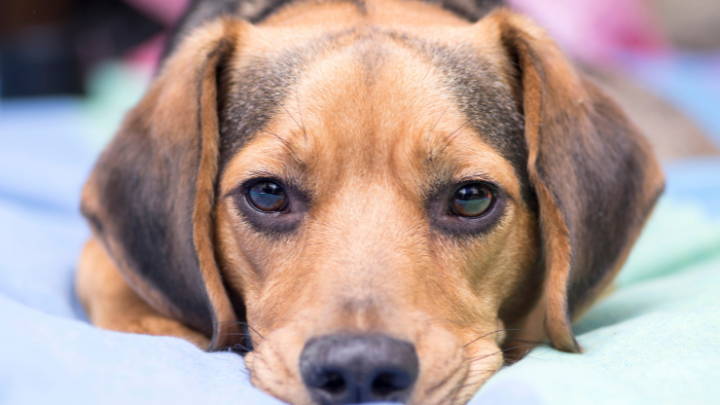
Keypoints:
pixel 655 340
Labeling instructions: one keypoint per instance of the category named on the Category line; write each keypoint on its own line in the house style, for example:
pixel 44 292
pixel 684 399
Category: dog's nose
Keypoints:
pixel 352 369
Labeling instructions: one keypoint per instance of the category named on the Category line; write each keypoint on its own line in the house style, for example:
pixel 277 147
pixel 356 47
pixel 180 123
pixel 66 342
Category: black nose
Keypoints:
pixel 352 369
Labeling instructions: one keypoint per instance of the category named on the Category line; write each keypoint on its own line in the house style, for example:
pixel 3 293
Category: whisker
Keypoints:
pixel 428 133
pixel 431 67
pixel 244 323
pixel 437 122
pixel 450 137
pixel 286 145
pixel 484 356
pixel 292 117
pixel 302 119
pixel 241 346
pixel 488 334
pixel 521 349
pixel 253 330
pixel 473 373
pixel 244 333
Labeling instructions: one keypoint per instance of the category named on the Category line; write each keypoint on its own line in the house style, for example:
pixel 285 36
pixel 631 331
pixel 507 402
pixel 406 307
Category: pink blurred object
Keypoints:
pixel 595 31
pixel 146 56
pixel 167 12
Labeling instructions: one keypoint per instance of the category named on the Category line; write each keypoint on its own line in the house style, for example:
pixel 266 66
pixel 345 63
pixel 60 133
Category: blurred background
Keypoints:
pixel 91 59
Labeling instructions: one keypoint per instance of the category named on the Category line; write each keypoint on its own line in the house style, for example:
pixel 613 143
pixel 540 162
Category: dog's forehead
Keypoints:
pixel 414 78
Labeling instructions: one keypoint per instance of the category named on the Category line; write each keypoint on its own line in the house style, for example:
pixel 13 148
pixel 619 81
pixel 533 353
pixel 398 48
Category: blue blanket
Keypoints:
pixel 656 339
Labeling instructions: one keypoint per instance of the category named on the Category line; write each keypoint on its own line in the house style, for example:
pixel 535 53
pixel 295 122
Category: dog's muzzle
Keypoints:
pixel 350 369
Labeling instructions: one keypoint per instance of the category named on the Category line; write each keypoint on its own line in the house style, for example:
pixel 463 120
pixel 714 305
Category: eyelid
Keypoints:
pixel 269 222
pixel 452 184
pixel 452 224
pixel 485 178
pixel 476 177
pixel 256 176
pixel 290 185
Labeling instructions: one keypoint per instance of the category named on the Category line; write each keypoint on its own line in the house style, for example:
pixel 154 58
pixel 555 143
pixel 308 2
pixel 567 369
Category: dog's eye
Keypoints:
pixel 472 200
pixel 268 196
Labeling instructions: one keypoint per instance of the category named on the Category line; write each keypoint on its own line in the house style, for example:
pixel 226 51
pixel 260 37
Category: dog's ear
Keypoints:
pixel 595 177
pixel 151 194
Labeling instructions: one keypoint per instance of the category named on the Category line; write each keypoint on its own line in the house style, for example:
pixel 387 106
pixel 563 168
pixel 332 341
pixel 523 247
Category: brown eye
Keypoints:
pixel 472 200
pixel 268 196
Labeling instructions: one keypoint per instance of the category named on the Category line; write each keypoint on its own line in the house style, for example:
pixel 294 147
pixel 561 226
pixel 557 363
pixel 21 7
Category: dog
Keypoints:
pixel 371 200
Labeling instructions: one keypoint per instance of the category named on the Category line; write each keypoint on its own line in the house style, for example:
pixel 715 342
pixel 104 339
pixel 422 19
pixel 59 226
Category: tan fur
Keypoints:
pixel 367 130
pixel 168 109
pixel 111 304
pixel 556 322
pixel 401 279
pixel 225 321
pixel 95 254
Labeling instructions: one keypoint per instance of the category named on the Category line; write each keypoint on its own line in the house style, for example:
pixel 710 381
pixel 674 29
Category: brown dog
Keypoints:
pixel 378 199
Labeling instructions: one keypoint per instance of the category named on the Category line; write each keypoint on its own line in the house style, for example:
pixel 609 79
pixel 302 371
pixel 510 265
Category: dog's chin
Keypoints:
pixel 450 372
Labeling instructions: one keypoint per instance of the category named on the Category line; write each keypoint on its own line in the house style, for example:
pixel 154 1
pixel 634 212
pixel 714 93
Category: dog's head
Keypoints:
pixel 380 211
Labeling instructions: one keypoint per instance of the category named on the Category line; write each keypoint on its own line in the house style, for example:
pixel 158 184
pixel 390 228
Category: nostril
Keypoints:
pixel 386 383
pixel 349 369
pixel 332 382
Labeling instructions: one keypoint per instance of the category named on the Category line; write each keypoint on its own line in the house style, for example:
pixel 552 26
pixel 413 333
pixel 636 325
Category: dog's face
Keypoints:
pixel 370 204
pixel 381 212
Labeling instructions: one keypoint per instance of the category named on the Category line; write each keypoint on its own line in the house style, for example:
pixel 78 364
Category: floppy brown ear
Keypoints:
pixel 151 194
pixel 595 177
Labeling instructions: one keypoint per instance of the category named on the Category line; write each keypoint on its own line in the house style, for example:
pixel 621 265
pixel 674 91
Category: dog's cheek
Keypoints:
pixel 243 260
pixel 229 254
pixel 523 264
pixel 508 273
pixel 488 284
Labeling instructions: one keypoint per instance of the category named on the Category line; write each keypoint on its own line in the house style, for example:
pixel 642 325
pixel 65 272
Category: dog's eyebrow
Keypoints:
pixel 250 98
pixel 487 101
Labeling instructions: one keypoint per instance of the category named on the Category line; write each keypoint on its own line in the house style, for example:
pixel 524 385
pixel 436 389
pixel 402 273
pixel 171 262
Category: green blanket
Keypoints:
pixel 654 340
